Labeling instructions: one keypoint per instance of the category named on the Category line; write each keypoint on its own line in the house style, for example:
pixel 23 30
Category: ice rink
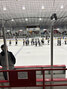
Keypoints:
pixel 40 55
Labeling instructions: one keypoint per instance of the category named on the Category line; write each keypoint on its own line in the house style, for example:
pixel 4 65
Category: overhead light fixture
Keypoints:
pixel 42 7
pixel 26 19
pixel 23 7
pixel 8 30
pixel 61 7
pixel 44 29
pixel 12 20
pixel 20 30
pixel 40 19
pixel 58 29
pixel 4 8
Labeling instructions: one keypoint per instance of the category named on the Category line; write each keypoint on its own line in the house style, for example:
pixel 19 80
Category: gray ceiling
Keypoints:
pixel 33 11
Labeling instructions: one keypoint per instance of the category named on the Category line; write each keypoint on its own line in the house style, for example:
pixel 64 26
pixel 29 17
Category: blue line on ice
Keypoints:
pixel 18 51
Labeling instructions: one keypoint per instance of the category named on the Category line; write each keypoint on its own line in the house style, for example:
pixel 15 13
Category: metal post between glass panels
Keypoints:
pixel 53 19
pixel 52 54
pixel 4 39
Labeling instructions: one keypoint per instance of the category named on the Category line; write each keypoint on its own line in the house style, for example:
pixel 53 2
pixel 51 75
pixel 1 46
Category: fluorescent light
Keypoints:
pixel 12 20
pixel 20 30
pixel 58 29
pixel 42 7
pixel 26 19
pixel 8 30
pixel 40 19
pixel 44 29
pixel 61 7
pixel 23 8
pixel 4 8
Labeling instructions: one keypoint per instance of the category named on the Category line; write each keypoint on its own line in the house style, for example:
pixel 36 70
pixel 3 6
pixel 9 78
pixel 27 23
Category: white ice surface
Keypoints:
pixel 40 55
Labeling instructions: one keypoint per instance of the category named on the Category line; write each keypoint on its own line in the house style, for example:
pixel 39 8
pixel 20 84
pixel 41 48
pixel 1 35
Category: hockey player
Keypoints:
pixel 9 42
pixel 16 41
pixel 59 41
pixel 65 41
pixel 35 42
pixel 32 41
pixel 42 41
pixel 48 41
pixel 24 42
pixel 39 42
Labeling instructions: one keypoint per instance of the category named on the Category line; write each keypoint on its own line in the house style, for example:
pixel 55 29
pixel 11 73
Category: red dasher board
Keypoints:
pixel 22 79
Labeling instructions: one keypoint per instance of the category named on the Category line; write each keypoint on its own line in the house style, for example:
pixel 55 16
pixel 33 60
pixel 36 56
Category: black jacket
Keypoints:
pixel 11 55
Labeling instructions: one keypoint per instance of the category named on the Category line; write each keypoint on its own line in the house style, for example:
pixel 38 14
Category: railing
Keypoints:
pixel 29 78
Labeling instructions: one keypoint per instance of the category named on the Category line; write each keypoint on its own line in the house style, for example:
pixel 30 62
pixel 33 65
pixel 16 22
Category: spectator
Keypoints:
pixel 11 60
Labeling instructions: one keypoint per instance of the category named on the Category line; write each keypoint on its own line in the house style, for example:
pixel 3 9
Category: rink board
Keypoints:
pixel 58 75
